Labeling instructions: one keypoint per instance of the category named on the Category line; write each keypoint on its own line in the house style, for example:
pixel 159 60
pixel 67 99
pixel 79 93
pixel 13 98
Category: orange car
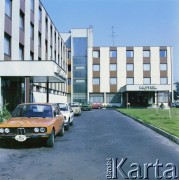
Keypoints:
pixel 34 121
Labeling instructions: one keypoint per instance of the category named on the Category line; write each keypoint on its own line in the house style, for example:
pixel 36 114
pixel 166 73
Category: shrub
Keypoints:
pixel 4 113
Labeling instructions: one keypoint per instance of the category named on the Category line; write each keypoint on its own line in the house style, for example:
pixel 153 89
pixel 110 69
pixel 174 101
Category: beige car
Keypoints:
pixel 41 121
pixel 76 107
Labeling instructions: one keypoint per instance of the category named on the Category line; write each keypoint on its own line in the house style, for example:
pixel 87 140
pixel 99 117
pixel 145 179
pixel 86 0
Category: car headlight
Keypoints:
pixel 7 130
pixel 2 130
pixel 36 130
pixel 42 130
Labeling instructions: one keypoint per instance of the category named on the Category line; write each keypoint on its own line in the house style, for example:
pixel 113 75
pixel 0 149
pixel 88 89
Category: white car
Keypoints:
pixel 68 114
pixel 76 107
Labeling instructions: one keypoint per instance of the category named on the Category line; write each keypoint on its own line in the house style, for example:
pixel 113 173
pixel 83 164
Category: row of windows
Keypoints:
pixel 7 38
pixel 129 53
pixel 130 67
pixel 113 81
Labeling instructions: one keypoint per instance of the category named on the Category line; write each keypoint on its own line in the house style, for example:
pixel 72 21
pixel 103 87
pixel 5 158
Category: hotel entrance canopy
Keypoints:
pixel 37 71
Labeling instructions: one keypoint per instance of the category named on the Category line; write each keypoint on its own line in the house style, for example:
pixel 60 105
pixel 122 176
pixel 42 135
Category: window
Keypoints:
pixel 69 54
pixel 8 6
pixel 113 98
pixel 39 39
pixel 146 81
pixel 113 81
pixel 130 67
pixel 69 81
pixel 31 56
pixel 50 52
pixel 163 80
pixel 46 46
pixel 96 67
pixel 31 31
pixel 130 80
pixel 21 24
pixel 130 54
pixel 146 67
pixel 32 5
pixel 40 14
pixel 7 45
pixel 96 81
pixel 163 53
pixel 46 24
pixel 96 98
pixel 163 67
pixel 163 97
pixel 146 53
pixel 96 54
pixel 21 52
pixel 113 67
pixel 113 54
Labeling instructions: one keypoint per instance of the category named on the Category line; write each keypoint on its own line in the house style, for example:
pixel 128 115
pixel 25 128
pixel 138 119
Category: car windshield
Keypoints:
pixel 74 105
pixel 63 107
pixel 33 110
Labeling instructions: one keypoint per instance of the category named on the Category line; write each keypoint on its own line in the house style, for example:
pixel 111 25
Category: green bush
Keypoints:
pixel 4 113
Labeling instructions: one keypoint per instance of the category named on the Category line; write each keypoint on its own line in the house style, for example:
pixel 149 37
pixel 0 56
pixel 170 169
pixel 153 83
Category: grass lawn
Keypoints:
pixel 159 118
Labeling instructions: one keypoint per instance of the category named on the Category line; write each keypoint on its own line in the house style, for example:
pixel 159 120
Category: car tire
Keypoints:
pixel 67 126
pixel 71 124
pixel 62 131
pixel 51 139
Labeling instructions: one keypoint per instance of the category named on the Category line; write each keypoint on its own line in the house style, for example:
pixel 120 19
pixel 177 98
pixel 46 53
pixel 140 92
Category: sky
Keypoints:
pixel 134 22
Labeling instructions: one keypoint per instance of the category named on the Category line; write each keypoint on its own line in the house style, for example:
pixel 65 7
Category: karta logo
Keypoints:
pixel 116 170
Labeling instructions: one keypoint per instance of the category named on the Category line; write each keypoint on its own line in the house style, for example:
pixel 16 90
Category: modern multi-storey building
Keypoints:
pixel 117 75
pixel 135 75
pixel 33 63
pixel 35 60
pixel 78 41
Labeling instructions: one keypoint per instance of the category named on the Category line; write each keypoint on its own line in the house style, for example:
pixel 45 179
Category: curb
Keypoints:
pixel 156 129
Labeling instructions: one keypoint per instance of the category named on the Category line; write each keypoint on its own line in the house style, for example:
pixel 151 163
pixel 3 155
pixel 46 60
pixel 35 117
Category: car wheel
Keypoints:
pixel 67 126
pixel 71 124
pixel 62 131
pixel 51 140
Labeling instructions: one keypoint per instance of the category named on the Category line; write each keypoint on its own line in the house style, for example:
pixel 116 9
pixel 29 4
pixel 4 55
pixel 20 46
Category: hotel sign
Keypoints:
pixel 147 88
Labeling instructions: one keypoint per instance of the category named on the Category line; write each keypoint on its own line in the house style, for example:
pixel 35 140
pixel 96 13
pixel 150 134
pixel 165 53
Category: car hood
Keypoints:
pixel 65 112
pixel 28 122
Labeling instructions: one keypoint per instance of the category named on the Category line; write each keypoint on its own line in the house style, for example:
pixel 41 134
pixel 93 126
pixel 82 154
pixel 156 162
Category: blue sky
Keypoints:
pixel 135 22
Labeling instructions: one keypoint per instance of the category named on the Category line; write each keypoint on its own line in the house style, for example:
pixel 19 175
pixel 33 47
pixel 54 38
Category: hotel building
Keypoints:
pixel 39 64
pixel 137 75
pixel 33 56
pixel 117 75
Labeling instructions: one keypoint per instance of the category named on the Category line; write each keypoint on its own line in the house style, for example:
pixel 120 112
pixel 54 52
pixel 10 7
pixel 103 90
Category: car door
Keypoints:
pixel 58 118
pixel 71 113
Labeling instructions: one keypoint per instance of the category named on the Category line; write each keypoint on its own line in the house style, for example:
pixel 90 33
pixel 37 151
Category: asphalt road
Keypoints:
pixel 83 151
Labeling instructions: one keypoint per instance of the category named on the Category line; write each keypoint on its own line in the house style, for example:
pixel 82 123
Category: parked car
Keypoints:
pixel 97 106
pixel 68 114
pixel 86 106
pixel 76 107
pixel 177 104
pixel 41 121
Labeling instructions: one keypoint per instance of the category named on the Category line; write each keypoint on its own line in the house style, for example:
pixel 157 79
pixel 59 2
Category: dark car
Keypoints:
pixel 86 106
pixel 177 104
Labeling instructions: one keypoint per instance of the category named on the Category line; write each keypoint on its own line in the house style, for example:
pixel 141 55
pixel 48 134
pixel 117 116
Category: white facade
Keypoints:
pixel 151 84
pixel 33 37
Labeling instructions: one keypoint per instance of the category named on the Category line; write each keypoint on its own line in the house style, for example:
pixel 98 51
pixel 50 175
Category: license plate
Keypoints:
pixel 20 138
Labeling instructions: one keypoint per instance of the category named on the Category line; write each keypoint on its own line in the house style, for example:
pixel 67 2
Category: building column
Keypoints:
pixel 1 103
pixel 105 98
pixel 47 95
pixel 156 97
pixel 27 89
